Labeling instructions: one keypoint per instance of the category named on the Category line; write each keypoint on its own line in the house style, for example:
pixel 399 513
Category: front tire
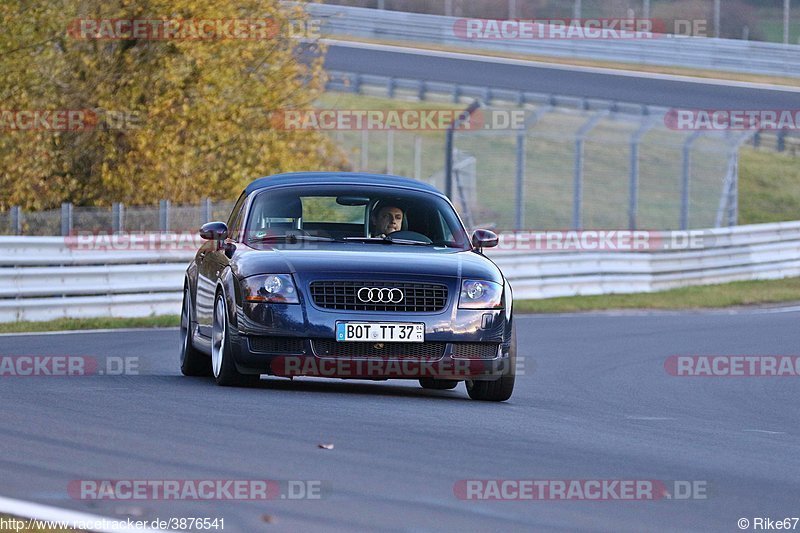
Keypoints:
pixel 501 389
pixel 222 364
pixel 193 362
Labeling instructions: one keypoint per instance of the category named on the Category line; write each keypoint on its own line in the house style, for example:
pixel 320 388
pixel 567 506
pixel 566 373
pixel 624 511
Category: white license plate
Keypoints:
pixel 380 332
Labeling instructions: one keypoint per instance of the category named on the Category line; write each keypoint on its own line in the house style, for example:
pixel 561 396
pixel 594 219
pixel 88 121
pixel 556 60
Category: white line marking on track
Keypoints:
pixel 38 511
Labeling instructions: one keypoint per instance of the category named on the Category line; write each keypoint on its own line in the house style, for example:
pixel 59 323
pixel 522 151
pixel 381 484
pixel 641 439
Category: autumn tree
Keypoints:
pixel 177 115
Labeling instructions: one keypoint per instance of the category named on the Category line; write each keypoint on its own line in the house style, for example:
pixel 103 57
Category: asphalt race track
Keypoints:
pixel 565 81
pixel 595 403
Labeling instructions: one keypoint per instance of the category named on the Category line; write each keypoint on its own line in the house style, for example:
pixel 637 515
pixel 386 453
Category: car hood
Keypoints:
pixel 366 260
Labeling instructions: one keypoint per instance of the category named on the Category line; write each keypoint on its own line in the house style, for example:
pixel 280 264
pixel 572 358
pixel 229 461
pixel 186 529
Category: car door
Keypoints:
pixel 211 265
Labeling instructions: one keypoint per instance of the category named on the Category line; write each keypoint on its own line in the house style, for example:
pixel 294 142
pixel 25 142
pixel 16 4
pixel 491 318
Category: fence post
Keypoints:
pixel 390 152
pixel 163 215
pixel 633 185
pixel 787 7
pixel 512 9
pixel 205 210
pixel 418 157
pixel 520 185
pixel 577 185
pixel 16 220
pixel 577 192
pixel 448 146
pixel 733 201
pixel 117 211
pixel 364 149
pixel 686 179
pixel 66 219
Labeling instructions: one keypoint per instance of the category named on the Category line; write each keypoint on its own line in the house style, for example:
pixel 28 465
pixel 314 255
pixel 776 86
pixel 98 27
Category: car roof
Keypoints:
pixel 338 178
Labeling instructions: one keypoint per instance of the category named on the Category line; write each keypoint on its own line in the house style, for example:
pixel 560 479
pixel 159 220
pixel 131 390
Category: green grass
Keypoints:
pixel 700 297
pixel 66 324
pixel 770 24
pixel 769 187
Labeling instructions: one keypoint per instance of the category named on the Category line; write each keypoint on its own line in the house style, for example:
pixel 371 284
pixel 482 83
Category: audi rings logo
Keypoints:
pixel 380 296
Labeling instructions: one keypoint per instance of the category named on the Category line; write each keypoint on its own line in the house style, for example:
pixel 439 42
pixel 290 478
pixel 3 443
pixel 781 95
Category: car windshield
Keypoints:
pixel 364 215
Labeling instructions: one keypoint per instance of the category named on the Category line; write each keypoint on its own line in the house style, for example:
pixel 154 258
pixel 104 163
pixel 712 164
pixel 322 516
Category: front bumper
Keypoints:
pixel 299 340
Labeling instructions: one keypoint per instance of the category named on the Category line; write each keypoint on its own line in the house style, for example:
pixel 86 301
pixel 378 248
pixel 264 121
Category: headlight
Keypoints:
pixel 271 288
pixel 477 294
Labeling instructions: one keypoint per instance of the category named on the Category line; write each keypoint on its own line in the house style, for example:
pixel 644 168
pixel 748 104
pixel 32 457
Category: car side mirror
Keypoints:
pixel 483 238
pixel 214 231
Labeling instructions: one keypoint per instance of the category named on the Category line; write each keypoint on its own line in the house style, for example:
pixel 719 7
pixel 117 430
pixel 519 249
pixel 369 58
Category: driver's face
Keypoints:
pixel 390 219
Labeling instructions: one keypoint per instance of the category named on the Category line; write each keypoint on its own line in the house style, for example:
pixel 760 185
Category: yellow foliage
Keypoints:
pixel 176 119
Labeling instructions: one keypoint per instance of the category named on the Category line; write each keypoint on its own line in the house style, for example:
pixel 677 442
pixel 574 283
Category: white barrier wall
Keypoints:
pixel 42 278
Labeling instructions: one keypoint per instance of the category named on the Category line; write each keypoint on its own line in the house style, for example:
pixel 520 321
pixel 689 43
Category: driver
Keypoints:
pixel 388 220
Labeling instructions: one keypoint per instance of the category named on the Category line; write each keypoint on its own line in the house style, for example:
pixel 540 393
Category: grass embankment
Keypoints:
pixel 769 187
pixel 67 324
pixel 740 293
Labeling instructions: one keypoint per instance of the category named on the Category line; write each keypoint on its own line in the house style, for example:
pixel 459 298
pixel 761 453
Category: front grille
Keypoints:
pixel 388 350
pixel 342 295
pixel 276 345
pixel 474 350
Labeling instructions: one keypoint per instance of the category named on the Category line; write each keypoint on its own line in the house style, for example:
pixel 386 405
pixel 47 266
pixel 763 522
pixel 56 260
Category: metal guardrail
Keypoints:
pixel 389 87
pixel 41 278
pixel 690 52
pixel 760 251
pixel 44 278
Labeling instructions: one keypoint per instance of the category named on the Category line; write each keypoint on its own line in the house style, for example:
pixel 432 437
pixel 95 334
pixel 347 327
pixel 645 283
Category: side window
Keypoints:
pixel 444 228
pixel 235 220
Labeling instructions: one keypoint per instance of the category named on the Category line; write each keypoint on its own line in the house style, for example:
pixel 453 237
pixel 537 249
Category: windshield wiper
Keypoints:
pixel 291 238
pixel 387 240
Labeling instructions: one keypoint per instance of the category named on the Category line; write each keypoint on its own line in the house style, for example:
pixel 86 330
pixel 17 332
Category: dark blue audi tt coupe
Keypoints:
pixel 353 276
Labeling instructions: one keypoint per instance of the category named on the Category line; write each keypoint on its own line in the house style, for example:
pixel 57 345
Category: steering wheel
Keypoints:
pixel 410 236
